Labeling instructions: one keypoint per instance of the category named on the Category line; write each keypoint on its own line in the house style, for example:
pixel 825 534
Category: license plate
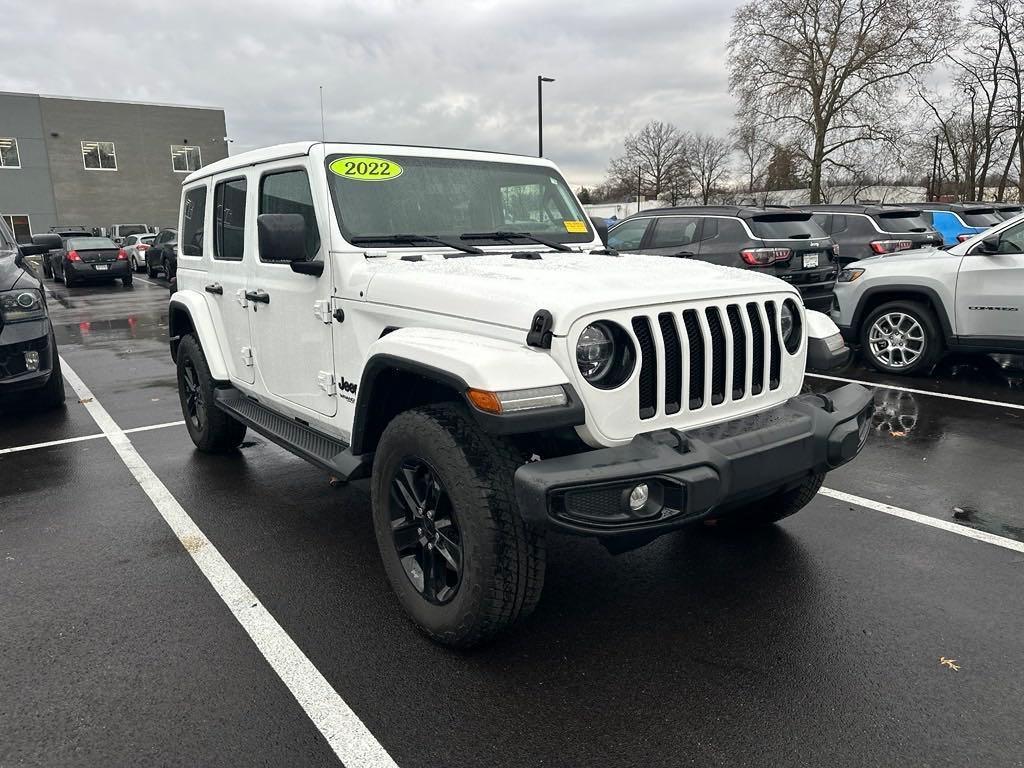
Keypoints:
pixel 104 267
pixel 810 260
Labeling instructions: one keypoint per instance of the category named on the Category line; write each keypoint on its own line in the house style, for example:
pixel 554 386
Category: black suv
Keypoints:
pixel 28 352
pixel 1004 211
pixel 861 231
pixel 779 241
pixel 162 254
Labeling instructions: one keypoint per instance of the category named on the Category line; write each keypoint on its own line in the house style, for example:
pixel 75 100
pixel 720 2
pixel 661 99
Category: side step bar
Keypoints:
pixel 324 451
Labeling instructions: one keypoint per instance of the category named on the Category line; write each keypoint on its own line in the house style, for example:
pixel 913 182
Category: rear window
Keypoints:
pixel 133 229
pixel 1009 213
pixel 149 239
pixel 785 226
pixel 89 243
pixel 902 221
pixel 980 217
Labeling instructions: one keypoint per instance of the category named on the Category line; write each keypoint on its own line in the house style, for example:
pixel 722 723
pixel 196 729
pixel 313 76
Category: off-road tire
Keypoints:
pixel 217 432
pixel 52 394
pixel 503 556
pixel 770 509
pixel 933 338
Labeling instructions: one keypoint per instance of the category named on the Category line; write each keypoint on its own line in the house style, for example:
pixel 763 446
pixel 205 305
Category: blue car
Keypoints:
pixel 957 222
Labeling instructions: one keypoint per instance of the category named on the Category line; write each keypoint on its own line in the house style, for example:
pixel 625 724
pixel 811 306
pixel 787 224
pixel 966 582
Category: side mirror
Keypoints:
pixel 990 244
pixel 601 227
pixel 282 237
pixel 50 241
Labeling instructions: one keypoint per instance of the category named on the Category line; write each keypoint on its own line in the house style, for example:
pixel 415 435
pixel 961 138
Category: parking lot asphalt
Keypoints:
pixel 818 641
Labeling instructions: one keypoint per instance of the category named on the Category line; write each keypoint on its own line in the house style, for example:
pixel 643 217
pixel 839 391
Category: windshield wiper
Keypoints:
pixel 409 239
pixel 510 236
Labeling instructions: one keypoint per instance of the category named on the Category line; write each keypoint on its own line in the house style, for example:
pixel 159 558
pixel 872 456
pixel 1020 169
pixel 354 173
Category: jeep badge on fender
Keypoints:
pixel 511 377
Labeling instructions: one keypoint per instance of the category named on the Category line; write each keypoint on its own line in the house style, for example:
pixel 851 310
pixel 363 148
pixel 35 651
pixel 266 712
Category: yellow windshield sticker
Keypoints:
pixel 576 227
pixel 366 168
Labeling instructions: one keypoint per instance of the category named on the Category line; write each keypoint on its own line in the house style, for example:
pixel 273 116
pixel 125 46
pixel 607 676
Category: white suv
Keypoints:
pixel 448 324
pixel 907 308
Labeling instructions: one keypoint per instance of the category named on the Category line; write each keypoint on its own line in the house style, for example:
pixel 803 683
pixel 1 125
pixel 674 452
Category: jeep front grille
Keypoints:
pixel 715 355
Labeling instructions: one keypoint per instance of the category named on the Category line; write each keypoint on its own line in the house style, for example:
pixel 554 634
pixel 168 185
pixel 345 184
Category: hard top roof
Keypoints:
pixel 957 207
pixel 302 148
pixel 867 210
pixel 739 211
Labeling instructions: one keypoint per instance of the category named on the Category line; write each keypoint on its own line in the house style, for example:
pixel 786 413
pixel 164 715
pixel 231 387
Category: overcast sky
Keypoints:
pixel 405 71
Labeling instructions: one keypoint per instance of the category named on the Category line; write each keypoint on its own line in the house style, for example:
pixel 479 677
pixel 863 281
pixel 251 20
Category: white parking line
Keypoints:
pixel 876 385
pixel 351 741
pixel 147 282
pixel 66 440
pixel 934 522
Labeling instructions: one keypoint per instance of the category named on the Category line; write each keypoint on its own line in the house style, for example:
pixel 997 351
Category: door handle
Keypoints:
pixel 259 296
pixel 216 288
pixel 684 254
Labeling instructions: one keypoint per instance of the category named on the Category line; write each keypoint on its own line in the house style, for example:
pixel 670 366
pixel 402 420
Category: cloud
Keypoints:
pixel 406 71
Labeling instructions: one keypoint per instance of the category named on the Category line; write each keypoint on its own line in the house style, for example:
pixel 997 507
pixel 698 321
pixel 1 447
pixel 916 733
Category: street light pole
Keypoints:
pixel 540 112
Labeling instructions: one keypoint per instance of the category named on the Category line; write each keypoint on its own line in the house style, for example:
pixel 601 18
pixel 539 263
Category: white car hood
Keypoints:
pixel 915 256
pixel 497 288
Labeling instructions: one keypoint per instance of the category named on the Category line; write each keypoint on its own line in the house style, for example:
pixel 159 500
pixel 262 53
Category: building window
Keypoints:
pixel 20 225
pixel 185 159
pixel 99 156
pixel 9 157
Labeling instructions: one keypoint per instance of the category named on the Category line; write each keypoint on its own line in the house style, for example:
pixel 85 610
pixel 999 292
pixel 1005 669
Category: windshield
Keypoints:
pixel 133 229
pixel 902 221
pixel 785 226
pixel 448 198
pixel 89 243
pixel 980 217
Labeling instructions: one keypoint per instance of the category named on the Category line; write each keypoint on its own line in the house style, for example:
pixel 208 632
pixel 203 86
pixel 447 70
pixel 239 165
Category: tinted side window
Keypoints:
pixel 674 231
pixel 288 192
pixel 628 235
pixel 822 220
pixel 193 223
pixel 838 224
pixel 229 220
pixel 860 226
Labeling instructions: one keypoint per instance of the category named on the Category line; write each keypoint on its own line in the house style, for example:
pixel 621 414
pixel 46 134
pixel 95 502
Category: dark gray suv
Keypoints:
pixel 781 242
pixel 862 231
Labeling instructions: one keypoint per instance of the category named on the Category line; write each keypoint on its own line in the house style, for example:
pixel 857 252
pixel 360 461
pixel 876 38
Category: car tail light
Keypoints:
pixel 963 238
pixel 762 257
pixel 891 246
pixel 122 255
pixel 142 247
pixel 73 256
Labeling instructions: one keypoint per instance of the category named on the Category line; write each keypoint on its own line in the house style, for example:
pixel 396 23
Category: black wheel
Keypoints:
pixel 149 269
pixel 68 280
pixel 461 560
pixel 127 280
pixel 770 509
pixel 901 337
pixel 52 395
pixel 47 269
pixel 212 430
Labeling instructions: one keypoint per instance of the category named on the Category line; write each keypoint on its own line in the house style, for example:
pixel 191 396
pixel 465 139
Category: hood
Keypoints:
pixel 12 276
pixel 498 288
pixel 913 256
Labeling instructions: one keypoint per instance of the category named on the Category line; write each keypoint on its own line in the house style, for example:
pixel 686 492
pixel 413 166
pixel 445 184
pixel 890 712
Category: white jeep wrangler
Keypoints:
pixel 450 325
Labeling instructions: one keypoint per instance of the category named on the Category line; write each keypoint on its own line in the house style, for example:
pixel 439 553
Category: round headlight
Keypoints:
pixel 789 319
pixel 605 355
pixel 27 300
pixel 594 352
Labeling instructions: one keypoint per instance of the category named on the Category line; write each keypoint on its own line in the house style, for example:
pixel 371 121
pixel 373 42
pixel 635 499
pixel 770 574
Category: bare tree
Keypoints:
pixel 819 69
pixel 651 159
pixel 707 162
pixel 754 148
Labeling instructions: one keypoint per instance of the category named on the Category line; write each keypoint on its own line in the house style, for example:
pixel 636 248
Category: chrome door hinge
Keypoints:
pixel 247 357
pixel 326 381
pixel 322 310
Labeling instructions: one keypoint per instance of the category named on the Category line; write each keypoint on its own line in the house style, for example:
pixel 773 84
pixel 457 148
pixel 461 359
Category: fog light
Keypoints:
pixel 32 361
pixel 638 497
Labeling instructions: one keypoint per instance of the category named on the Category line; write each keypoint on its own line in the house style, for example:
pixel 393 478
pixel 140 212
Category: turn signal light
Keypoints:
pixel 484 400
pixel 73 256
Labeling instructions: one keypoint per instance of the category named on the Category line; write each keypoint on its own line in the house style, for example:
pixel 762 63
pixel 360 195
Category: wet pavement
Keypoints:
pixel 818 641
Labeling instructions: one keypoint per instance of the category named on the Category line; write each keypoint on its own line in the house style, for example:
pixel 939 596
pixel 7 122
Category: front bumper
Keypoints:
pixel 15 340
pixel 828 353
pixel 689 474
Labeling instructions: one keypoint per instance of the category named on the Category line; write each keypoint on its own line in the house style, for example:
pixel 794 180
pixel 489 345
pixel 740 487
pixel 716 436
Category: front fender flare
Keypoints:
pixel 461 361
pixel 188 313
